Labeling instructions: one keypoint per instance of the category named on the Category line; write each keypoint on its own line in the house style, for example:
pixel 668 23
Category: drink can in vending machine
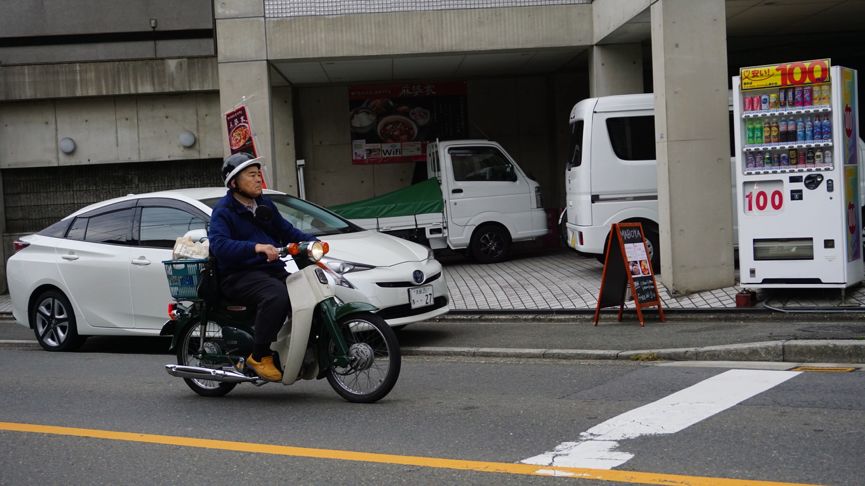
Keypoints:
pixel 827 157
pixel 749 127
pixel 758 159
pixel 764 102
pixel 809 157
pixel 749 160
pixel 793 157
pixel 807 96
pixel 775 132
pixel 818 158
pixel 827 127
pixel 798 96
pixel 782 130
pixel 802 157
pixel 818 129
pixel 791 129
pixel 783 160
pixel 827 94
pixel 791 102
pixel 782 98
pixel 748 104
pixel 773 101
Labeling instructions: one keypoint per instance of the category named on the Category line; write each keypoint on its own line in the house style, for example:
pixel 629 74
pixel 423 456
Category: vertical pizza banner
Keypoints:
pixel 392 123
pixel 240 137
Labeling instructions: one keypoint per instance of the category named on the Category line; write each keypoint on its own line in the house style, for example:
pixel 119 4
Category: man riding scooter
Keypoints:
pixel 246 232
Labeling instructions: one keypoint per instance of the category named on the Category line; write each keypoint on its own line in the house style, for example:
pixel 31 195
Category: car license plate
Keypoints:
pixel 420 296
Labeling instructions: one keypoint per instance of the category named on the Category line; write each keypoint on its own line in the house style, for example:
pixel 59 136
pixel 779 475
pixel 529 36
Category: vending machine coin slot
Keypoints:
pixel 813 181
pixel 830 185
pixel 796 195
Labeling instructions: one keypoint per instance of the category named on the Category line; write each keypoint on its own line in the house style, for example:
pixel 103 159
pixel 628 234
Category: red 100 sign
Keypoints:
pixel 810 72
pixel 761 201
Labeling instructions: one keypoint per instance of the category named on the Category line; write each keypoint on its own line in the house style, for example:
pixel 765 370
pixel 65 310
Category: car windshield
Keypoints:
pixel 305 216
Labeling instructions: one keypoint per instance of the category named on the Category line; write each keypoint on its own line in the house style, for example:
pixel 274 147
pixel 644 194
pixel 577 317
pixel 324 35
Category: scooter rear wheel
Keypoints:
pixel 195 351
pixel 374 357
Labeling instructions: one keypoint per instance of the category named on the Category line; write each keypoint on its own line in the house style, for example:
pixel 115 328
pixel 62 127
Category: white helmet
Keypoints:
pixel 235 163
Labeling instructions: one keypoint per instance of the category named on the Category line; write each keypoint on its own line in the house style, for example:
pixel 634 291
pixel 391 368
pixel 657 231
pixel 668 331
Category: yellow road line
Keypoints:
pixel 633 477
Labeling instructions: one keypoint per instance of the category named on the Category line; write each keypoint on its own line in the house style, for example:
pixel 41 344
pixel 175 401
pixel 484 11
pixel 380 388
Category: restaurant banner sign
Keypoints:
pixel 392 123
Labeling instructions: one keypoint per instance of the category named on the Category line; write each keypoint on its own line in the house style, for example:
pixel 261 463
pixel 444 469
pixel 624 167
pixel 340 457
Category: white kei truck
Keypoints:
pixel 476 198
pixel 610 173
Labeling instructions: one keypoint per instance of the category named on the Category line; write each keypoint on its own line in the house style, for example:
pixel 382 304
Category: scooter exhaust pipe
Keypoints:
pixel 198 373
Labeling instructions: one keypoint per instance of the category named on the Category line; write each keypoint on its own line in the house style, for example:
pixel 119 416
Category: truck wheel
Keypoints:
pixel 490 244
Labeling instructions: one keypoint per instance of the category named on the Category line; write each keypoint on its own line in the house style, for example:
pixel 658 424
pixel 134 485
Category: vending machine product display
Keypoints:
pixel 797 175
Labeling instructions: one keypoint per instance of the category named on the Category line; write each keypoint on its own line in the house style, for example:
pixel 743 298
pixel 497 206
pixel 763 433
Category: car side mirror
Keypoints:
pixel 196 234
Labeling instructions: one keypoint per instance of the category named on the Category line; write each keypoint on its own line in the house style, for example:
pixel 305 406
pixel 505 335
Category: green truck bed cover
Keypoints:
pixel 421 198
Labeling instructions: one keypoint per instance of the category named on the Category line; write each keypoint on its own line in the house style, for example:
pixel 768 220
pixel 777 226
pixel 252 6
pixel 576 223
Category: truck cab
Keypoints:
pixel 489 201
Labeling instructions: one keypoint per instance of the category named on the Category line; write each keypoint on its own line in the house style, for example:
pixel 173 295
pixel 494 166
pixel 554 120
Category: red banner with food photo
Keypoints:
pixel 240 132
pixel 240 137
pixel 392 123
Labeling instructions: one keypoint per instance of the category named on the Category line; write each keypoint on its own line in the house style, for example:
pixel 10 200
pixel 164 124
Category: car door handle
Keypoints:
pixel 141 261
pixel 69 257
pixel 456 191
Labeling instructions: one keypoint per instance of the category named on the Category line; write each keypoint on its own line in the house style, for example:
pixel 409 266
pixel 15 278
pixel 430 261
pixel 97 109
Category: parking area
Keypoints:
pixel 564 280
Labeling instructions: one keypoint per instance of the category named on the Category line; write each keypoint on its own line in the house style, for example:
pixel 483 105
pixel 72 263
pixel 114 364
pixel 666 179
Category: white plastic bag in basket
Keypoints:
pixel 185 247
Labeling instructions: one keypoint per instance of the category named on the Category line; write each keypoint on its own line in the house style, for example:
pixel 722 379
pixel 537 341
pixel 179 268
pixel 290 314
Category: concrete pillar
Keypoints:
pixel 244 72
pixel 248 83
pixel 284 145
pixel 689 63
pixel 615 69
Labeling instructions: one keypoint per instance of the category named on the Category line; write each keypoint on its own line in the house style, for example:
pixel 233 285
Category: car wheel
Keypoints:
pixel 490 244
pixel 54 322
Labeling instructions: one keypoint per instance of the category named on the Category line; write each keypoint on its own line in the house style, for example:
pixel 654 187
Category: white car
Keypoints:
pixel 99 271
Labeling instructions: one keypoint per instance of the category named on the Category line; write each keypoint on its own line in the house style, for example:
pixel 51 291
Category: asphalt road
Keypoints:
pixel 487 413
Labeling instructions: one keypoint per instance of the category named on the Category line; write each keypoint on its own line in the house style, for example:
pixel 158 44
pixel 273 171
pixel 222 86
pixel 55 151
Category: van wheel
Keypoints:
pixel 490 244
pixel 654 247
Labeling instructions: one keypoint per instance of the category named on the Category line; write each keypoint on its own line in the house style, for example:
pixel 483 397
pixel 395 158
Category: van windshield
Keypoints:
pixel 575 149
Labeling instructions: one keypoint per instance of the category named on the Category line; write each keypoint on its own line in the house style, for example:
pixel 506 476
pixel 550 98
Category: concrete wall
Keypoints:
pixel 429 32
pixel 72 80
pixel 89 30
pixel 109 129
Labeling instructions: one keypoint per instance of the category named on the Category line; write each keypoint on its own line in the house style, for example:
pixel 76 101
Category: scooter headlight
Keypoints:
pixel 316 250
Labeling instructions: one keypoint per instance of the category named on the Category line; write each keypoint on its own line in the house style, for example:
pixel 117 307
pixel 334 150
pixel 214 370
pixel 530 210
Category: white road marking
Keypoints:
pixel 597 447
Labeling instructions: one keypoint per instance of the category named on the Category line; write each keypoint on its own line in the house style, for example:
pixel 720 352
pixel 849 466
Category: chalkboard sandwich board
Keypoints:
pixel 627 263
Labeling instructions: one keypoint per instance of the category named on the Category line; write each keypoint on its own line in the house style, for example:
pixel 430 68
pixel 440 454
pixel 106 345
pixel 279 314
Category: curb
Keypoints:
pixel 798 351
pixel 794 351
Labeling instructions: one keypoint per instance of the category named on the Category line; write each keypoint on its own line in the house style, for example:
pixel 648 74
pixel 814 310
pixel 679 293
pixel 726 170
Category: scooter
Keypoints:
pixel 347 343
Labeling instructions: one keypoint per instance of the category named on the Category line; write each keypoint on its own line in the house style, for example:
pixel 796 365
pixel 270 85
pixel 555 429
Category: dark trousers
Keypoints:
pixel 267 292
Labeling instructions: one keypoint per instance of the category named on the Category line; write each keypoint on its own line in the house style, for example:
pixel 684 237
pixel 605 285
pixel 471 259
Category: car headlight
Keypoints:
pixel 342 267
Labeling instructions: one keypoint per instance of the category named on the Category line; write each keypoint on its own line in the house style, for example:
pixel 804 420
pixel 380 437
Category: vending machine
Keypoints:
pixel 797 175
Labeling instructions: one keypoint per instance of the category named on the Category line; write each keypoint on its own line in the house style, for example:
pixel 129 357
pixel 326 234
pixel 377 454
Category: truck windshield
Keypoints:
pixel 575 150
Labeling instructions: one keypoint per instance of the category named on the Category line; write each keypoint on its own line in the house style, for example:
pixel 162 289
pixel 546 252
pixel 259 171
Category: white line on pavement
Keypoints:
pixel 597 447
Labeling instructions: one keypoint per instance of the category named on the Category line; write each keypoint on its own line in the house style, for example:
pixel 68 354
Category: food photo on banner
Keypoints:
pixel 392 123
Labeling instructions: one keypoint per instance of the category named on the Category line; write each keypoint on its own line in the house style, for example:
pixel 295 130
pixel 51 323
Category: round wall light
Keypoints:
pixel 187 138
pixel 67 145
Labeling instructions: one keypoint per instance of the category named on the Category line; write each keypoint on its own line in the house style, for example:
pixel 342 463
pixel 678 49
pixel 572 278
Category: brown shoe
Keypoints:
pixel 265 368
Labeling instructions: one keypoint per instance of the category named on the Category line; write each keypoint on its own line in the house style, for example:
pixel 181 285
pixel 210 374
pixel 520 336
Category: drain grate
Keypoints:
pixel 824 369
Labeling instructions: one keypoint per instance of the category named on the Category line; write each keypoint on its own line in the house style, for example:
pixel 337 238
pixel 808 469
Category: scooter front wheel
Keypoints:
pixel 373 355
pixel 202 345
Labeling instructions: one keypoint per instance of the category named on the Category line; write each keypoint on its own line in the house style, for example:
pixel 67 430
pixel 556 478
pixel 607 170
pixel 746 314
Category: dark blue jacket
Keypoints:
pixel 233 234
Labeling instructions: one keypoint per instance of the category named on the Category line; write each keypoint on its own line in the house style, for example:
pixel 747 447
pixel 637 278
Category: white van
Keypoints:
pixel 610 174
pixel 477 198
